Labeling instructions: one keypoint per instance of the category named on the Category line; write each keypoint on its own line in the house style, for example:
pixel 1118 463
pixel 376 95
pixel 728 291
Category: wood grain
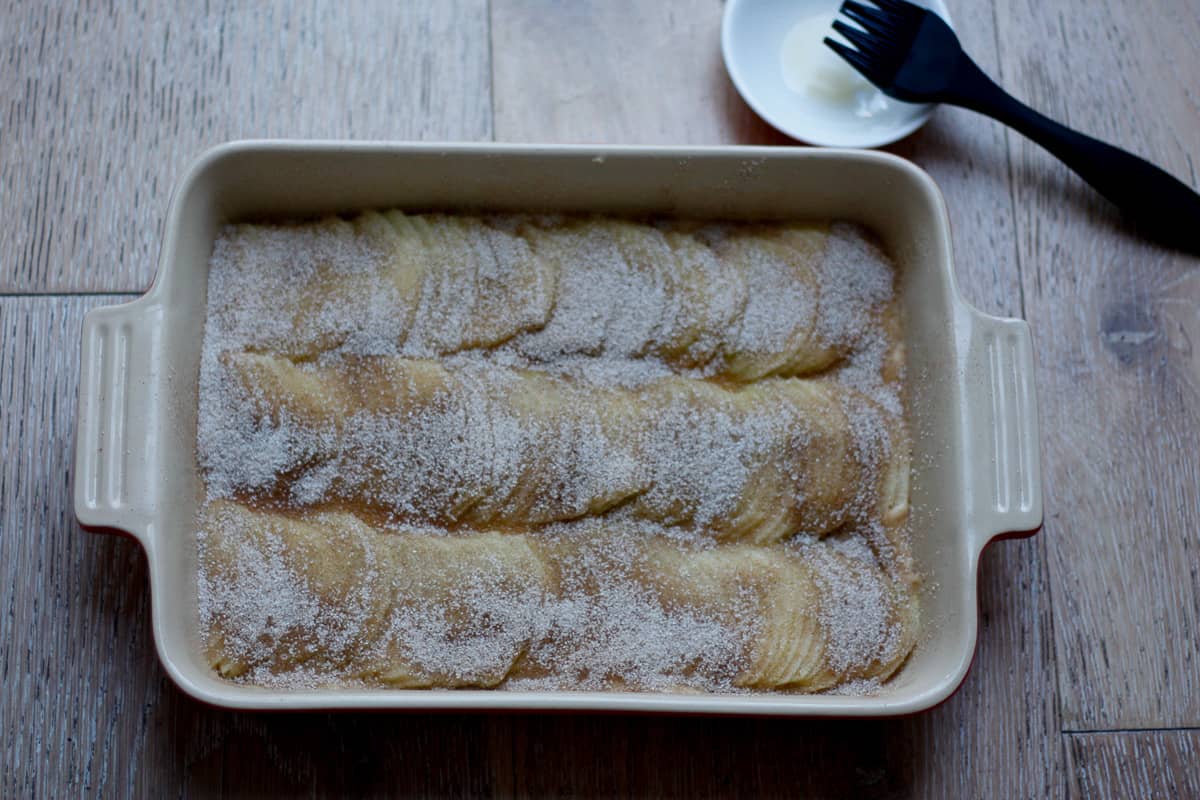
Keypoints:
pixel 102 110
pixel 1116 322
pixel 967 155
pixel 994 738
pixel 87 709
pixel 84 706
pixel 651 73
pixel 624 72
pixel 599 89
pixel 1142 764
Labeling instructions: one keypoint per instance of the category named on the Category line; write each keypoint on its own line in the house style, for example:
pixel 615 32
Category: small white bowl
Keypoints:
pixel 776 59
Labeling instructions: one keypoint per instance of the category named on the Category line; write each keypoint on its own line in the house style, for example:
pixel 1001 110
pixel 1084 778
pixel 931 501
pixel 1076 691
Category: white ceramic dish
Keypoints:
pixel 976 473
pixel 771 55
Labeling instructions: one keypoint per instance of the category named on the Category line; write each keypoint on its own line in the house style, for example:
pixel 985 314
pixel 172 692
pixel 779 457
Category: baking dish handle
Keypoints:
pixel 118 417
pixel 1003 462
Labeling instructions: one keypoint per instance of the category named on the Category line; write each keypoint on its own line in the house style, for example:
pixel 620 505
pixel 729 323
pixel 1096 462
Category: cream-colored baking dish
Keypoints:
pixel 976 470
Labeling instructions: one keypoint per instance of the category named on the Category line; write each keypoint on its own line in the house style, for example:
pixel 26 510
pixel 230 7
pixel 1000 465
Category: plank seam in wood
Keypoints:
pixel 1093 731
pixel 15 295
pixel 1012 196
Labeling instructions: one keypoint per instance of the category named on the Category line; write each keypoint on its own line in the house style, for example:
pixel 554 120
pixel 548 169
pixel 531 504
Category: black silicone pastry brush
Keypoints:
pixel 911 54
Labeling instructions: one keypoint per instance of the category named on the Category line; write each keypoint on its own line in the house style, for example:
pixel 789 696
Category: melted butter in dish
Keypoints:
pixel 812 69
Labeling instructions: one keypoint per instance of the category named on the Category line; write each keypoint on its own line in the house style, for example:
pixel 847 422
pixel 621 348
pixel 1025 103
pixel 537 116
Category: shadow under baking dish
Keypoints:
pixel 976 472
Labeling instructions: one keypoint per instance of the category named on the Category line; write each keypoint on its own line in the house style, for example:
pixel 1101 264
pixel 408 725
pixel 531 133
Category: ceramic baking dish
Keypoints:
pixel 976 469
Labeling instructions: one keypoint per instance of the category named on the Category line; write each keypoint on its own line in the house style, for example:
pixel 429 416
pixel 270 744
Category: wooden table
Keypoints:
pixel 1087 678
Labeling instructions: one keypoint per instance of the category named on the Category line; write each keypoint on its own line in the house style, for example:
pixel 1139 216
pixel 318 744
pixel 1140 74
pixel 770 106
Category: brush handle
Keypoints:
pixel 1150 197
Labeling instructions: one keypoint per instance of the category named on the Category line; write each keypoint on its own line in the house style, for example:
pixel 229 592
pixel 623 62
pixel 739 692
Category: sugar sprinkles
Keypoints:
pixel 587 385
